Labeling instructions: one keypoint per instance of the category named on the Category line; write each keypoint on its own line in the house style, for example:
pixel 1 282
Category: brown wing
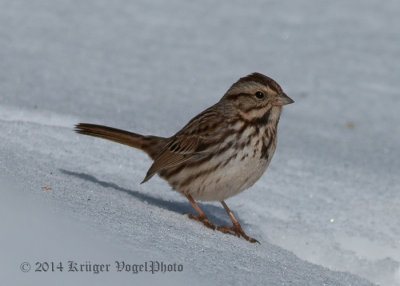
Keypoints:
pixel 194 141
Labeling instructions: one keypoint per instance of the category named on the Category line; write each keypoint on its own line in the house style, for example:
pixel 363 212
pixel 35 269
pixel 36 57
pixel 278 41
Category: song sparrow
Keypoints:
pixel 220 152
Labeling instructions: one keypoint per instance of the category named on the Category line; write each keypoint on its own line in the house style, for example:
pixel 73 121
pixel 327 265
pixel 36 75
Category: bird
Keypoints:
pixel 220 152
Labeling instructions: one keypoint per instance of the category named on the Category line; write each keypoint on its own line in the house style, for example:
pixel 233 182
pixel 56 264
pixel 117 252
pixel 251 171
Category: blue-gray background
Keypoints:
pixel 330 197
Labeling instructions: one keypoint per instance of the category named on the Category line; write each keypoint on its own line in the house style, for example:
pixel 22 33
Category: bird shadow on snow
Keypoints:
pixel 214 213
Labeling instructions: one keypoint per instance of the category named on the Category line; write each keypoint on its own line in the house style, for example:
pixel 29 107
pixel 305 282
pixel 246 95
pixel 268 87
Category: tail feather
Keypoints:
pixel 149 144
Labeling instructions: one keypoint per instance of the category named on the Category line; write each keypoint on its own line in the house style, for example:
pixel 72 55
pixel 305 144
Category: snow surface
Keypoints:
pixel 326 211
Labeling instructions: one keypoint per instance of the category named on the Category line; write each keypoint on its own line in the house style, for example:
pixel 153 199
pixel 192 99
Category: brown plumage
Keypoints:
pixel 149 144
pixel 220 152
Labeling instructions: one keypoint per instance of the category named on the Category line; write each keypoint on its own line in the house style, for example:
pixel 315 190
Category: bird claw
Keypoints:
pixel 202 219
pixel 236 230
pixel 227 229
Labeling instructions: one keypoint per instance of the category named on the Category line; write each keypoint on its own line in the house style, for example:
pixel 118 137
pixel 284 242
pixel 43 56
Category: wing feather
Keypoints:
pixel 193 142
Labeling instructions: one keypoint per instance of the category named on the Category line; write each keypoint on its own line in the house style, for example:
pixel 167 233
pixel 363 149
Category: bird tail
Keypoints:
pixel 152 145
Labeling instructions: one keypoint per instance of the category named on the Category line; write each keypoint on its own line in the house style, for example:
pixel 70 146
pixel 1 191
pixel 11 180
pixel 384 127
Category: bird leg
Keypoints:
pixel 235 229
pixel 201 215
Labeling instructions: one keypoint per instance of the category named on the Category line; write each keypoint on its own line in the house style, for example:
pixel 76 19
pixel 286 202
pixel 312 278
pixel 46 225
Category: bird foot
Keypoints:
pixel 236 230
pixel 202 219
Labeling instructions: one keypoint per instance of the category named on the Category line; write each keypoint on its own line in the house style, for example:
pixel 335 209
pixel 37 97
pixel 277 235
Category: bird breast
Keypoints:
pixel 239 166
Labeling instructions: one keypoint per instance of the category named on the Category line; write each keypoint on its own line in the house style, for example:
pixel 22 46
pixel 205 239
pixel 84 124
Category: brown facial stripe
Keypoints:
pixel 258 121
pixel 260 78
pixel 236 96
pixel 247 110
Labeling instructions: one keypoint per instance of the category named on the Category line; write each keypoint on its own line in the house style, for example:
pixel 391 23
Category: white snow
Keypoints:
pixel 326 211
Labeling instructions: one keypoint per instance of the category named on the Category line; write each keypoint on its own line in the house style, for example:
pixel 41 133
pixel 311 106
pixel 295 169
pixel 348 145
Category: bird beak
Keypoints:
pixel 283 99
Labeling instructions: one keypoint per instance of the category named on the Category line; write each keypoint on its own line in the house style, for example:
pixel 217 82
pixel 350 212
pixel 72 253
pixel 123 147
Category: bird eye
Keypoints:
pixel 259 94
